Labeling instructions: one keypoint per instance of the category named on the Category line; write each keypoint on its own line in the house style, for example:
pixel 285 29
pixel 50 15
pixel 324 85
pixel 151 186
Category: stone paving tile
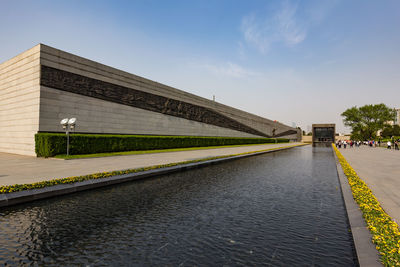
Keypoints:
pixel 366 253
pixel 380 169
pixel 16 169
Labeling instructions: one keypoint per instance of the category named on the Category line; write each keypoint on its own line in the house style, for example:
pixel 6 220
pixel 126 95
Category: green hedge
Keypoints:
pixel 51 144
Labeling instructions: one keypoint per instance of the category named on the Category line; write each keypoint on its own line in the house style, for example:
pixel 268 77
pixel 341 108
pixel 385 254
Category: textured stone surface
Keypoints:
pixel 82 85
pixel 99 116
pixel 26 106
pixel 19 102
pixel 68 62
pixel 379 168
pixel 285 133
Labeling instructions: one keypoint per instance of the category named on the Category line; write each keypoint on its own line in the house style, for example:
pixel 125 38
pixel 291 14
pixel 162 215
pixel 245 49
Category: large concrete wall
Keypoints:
pixel 61 60
pixel 19 102
pixel 99 116
pixel 29 105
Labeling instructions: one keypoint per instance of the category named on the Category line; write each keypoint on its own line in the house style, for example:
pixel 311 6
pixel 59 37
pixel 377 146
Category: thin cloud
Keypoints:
pixel 255 34
pixel 320 9
pixel 289 27
pixel 283 26
pixel 229 69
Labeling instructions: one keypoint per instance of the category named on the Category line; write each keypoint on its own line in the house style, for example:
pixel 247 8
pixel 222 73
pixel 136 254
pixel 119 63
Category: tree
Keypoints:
pixel 367 120
pixel 396 130
pixel 389 131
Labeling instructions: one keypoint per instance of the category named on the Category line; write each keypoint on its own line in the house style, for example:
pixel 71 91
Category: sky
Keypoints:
pixel 298 62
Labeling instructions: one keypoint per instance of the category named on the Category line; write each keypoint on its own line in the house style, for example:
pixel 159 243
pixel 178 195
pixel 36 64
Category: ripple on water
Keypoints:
pixel 279 209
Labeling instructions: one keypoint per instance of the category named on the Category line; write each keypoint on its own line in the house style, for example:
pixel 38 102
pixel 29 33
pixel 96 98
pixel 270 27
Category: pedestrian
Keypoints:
pixel 396 145
pixel 389 145
pixel 344 144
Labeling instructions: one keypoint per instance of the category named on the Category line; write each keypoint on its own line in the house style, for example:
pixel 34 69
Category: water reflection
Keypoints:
pixel 281 209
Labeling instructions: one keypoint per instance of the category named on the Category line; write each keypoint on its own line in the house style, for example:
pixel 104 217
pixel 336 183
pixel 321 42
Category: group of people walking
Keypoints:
pixel 346 143
pixel 396 144
pixel 372 143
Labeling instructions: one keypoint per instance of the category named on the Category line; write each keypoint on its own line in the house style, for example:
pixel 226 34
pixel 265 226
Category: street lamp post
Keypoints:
pixel 68 125
pixel 274 131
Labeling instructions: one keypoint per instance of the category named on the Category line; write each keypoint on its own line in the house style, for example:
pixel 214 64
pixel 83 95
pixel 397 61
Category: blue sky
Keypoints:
pixel 292 61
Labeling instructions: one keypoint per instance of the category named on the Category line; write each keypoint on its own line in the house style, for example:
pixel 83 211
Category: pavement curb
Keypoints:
pixel 20 197
pixel 367 254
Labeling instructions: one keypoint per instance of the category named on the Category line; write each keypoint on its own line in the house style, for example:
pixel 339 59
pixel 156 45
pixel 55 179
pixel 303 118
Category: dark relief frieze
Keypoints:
pixel 78 84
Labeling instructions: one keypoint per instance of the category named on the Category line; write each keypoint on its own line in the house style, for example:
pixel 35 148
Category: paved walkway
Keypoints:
pixel 16 169
pixel 380 169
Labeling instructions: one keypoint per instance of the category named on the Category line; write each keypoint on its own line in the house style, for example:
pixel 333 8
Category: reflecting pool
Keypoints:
pixel 281 209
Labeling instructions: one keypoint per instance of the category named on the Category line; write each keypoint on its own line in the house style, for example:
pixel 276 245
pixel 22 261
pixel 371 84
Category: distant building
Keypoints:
pixel 343 137
pixel 323 134
pixel 396 121
pixel 397 117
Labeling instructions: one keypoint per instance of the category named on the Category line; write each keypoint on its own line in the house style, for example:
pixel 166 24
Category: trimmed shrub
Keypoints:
pixel 51 144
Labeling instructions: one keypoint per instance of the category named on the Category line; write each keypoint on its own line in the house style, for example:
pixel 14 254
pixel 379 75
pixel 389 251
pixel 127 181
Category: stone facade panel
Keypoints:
pixel 107 100
pixel 95 116
pixel 19 103
pixel 95 70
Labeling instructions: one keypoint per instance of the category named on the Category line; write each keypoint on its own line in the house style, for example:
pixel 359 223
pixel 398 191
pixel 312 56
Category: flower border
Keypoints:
pixel 385 232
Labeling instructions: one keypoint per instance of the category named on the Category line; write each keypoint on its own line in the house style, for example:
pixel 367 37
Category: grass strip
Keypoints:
pixel 385 232
pixel 70 180
pixel 138 152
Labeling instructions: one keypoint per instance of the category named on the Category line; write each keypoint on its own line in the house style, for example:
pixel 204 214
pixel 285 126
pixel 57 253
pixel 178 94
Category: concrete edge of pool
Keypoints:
pixel 10 199
pixel 367 254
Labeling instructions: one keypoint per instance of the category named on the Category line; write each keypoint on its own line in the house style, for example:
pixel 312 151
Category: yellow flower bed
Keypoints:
pixel 74 179
pixel 385 232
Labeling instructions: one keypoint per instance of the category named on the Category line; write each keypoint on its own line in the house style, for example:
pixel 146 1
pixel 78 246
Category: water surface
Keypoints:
pixel 280 209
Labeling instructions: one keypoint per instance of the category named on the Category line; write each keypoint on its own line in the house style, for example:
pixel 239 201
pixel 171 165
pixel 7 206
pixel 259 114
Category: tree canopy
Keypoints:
pixel 389 131
pixel 367 120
